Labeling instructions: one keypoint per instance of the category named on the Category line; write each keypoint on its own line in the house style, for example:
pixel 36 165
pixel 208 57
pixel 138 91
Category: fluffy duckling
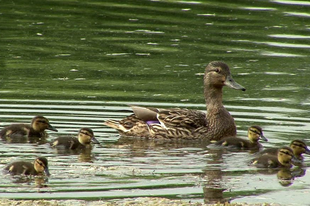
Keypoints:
pixel 84 140
pixel 255 133
pixel 283 159
pixel 299 147
pixel 39 166
pixel 36 129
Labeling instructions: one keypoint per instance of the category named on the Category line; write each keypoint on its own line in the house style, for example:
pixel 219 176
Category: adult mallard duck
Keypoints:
pixel 39 166
pixel 284 158
pixel 177 123
pixel 84 140
pixel 299 147
pixel 35 130
pixel 255 133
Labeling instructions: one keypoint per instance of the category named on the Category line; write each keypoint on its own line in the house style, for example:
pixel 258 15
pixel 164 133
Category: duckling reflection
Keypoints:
pixel 255 133
pixel 39 167
pixel 81 145
pixel 299 147
pixel 22 133
pixel 39 181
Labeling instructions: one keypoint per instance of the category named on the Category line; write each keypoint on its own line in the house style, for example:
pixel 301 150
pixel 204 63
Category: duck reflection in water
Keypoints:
pixel 31 133
pixel 212 177
pixel 82 144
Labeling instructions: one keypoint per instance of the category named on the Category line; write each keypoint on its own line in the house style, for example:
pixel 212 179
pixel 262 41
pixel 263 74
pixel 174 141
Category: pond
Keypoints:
pixel 80 63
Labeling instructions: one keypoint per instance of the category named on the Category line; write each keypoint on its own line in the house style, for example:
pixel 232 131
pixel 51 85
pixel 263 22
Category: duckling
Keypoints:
pixel 39 166
pixel 36 129
pixel 299 147
pixel 177 123
pixel 84 140
pixel 283 159
pixel 255 133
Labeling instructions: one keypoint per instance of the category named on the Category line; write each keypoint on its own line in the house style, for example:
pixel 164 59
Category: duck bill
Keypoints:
pixel 262 137
pixel 50 127
pixel 47 172
pixel 94 140
pixel 230 82
pixel 307 151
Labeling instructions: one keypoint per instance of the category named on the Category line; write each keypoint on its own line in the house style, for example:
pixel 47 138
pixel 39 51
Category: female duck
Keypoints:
pixel 84 140
pixel 185 123
pixel 39 166
pixel 36 129
pixel 299 147
pixel 283 159
pixel 255 133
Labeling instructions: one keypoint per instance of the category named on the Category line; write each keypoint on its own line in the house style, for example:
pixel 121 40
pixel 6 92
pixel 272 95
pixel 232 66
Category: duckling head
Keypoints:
pixel 285 156
pixel 299 147
pixel 40 123
pixel 218 75
pixel 41 165
pixel 255 133
pixel 86 136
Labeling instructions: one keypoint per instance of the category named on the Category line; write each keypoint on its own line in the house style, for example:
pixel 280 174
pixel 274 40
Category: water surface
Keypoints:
pixel 81 63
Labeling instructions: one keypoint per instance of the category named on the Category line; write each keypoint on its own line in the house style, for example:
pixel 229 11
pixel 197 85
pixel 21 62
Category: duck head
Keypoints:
pixel 299 147
pixel 286 156
pixel 40 123
pixel 86 136
pixel 255 133
pixel 41 165
pixel 218 74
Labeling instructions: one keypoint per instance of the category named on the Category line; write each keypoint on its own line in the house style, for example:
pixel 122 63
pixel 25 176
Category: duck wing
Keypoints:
pixel 185 118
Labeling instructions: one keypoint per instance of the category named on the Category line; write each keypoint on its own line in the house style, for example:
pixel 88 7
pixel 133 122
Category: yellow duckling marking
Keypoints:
pixel 8 133
pixel 11 168
pixel 255 162
pixel 225 143
pixel 55 143
pixel 39 166
pixel 270 162
pixel 25 169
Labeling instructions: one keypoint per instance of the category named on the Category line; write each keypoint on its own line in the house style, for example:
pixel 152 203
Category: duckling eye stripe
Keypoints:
pixel 85 133
pixel 298 145
pixel 255 131
pixel 40 163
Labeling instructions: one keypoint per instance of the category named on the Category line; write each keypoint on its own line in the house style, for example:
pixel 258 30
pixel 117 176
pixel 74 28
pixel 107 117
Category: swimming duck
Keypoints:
pixel 39 166
pixel 283 159
pixel 36 129
pixel 84 140
pixel 255 133
pixel 299 147
pixel 177 123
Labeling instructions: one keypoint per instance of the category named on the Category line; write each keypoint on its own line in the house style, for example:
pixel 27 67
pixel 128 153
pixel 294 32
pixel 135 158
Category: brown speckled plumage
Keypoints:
pixel 176 123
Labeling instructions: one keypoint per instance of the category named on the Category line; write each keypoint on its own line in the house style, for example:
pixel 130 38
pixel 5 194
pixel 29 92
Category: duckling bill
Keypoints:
pixel 255 133
pixel 36 129
pixel 84 140
pixel 215 124
pixel 39 167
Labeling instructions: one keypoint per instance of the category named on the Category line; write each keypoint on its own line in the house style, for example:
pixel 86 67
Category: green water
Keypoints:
pixel 80 63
